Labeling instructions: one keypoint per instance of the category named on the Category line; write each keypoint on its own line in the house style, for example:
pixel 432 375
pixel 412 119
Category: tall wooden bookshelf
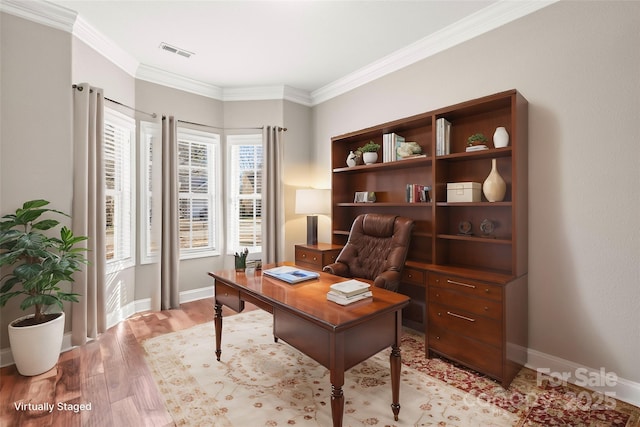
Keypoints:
pixel 469 291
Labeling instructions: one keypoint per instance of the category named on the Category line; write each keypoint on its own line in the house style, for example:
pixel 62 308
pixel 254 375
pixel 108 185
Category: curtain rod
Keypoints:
pixel 154 115
pixel 216 127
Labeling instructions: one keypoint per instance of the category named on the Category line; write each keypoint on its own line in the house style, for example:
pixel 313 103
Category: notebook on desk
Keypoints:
pixel 291 274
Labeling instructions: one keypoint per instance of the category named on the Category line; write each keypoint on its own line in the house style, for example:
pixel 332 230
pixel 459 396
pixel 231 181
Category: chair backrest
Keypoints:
pixel 377 243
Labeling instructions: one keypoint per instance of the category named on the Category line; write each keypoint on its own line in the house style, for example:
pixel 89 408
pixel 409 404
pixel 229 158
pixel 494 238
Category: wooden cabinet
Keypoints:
pixel 484 324
pixel 316 256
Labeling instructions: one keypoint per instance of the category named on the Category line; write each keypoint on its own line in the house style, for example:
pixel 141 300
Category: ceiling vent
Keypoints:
pixel 176 50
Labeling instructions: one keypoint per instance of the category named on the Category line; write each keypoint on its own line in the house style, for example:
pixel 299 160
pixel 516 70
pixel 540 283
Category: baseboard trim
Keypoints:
pixel 597 380
pixel 138 306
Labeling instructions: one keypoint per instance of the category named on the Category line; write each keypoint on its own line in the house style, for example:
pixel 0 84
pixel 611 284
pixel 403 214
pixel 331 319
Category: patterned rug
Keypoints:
pixel 262 383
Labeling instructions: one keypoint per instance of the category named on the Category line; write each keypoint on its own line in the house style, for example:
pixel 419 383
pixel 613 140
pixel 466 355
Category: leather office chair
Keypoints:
pixel 376 250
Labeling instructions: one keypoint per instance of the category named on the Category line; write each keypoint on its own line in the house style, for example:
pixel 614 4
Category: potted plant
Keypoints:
pixel 37 265
pixel 477 139
pixel 369 152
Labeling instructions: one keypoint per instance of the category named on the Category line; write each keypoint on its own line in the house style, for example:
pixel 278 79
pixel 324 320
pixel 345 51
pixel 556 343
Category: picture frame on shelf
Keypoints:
pixel 364 197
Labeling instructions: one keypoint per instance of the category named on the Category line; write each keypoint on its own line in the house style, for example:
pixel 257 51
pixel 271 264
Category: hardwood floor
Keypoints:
pixel 103 383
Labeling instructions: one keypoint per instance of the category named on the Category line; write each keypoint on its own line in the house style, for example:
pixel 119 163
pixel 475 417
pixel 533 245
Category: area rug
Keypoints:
pixel 259 382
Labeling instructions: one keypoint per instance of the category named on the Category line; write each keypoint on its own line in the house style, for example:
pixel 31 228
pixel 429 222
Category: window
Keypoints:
pixel 119 132
pixel 198 181
pixel 245 193
pixel 150 160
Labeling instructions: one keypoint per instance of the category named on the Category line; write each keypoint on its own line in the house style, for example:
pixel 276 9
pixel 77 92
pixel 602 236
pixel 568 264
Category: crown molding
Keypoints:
pixel 176 81
pixel 266 93
pixel 49 14
pixel 485 20
pixel 103 45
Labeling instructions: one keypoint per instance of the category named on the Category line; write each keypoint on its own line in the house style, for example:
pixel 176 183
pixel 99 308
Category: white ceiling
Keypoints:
pixel 305 45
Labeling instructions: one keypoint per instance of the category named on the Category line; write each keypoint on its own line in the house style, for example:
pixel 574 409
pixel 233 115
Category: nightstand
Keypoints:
pixel 316 256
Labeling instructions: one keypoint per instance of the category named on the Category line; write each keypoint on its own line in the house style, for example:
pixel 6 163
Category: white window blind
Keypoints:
pixel 198 182
pixel 245 163
pixel 119 133
pixel 149 156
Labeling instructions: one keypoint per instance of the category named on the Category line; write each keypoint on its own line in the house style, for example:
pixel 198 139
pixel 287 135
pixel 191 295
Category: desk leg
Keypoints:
pixel 396 366
pixel 337 404
pixel 218 325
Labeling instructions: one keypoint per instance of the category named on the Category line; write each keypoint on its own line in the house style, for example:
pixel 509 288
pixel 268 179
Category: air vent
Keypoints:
pixel 176 50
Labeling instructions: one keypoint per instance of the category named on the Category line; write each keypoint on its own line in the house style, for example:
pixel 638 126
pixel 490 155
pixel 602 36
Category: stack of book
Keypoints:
pixel 443 137
pixel 418 193
pixel 390 142
pixel 348 292
pixel 476 148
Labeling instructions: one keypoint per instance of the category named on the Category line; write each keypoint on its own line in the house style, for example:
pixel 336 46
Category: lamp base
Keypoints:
pixel 312 230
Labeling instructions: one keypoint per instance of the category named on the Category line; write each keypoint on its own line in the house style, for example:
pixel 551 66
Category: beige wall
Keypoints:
pixel 578 64
pixel 35 139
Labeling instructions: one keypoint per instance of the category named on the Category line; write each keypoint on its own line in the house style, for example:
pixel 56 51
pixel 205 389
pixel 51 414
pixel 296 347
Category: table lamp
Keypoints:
pixel 312 202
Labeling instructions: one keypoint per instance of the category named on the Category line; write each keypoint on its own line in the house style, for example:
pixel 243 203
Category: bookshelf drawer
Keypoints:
pixel 480 306
pixel 467 286
pixel 468 351
pixel 413 276
pixel 461 322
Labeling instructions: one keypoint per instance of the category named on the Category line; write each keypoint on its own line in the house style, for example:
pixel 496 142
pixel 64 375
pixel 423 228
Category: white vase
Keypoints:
pixel 370 157
pixel 500 137
pixel 36 348
pixel 351 159
pixel 494 187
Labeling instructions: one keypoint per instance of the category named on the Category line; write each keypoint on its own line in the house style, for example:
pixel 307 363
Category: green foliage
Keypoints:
pixel 476 138
pixel 40 263
pixel 369 147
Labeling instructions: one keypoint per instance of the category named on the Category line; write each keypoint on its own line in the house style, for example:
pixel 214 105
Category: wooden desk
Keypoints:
pixel 337 337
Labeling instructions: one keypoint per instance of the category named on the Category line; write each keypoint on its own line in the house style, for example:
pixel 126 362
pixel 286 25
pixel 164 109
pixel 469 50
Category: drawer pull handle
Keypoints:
pixel 304 255
pixel 315 258
pixel 453 282
pixel 461 317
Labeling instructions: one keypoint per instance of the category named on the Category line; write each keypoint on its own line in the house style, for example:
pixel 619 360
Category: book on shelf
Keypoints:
pixel 473 148
pixel 291 274
pixel 343 300
pixel 418 193
pixel 412 156
pixel 390 142
pixel 350 288
pixel 443 137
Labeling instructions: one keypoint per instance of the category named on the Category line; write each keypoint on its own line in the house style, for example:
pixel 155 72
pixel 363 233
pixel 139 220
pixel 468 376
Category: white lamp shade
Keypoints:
pixel 313 201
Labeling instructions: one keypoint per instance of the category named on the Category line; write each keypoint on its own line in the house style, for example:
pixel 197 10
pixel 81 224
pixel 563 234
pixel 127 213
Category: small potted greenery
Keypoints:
pixel 476 139
pixel 369 152
pixel 37 265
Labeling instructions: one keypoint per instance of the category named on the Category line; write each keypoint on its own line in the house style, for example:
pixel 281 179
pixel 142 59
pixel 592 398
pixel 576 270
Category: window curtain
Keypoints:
pixel 169 223
pixel 272 197
pixel 88 317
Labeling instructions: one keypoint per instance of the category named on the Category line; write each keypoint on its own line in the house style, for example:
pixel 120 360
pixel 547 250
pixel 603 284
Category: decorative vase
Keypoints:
pixel 370 157
pixel 36 348
pixel 351 159
pixel 494 187
pixel 500 137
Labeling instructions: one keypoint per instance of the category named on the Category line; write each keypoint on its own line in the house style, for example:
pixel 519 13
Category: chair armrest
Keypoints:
pixel 337 268
pixel 389 280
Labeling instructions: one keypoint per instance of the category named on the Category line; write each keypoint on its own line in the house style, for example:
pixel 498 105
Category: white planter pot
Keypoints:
pixel 36 348
pixel 369 157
